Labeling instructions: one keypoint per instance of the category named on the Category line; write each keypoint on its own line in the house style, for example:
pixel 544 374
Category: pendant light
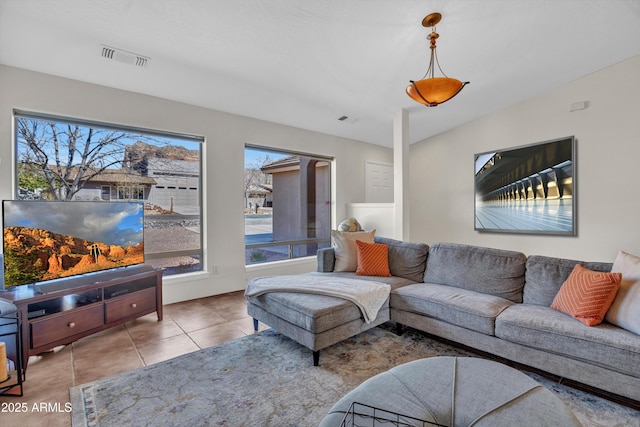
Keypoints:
pixel 432 91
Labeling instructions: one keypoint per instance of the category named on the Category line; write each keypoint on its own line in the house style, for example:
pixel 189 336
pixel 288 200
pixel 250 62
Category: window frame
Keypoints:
pixel 169 135
pixel 330 161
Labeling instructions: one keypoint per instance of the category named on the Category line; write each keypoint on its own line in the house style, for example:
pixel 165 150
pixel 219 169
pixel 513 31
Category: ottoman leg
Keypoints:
pixel 399 329
pixel 316 357
pixel 255 324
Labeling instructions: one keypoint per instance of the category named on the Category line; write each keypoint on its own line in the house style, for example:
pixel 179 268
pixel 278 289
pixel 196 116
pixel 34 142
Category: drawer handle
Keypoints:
pixel 72 325
pixel 134 305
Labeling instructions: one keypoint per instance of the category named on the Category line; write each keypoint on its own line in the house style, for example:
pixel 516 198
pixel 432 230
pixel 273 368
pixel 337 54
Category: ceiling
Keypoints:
pixel 306 63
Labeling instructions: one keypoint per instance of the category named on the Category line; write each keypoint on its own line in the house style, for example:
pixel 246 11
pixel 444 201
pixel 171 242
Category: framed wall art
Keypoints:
pixel 527 189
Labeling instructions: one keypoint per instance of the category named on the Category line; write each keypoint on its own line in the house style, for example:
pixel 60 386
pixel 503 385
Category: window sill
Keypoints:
pixel 184 278
pixel 279 264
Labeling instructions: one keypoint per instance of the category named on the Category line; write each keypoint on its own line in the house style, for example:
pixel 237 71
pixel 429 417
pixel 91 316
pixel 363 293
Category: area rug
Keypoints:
pixel 266 379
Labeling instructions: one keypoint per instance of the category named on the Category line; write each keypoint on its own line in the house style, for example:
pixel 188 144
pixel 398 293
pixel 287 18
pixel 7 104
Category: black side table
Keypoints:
pixel 11 335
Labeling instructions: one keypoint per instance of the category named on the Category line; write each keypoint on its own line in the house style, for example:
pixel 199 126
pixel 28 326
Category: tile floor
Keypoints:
pixel 186 327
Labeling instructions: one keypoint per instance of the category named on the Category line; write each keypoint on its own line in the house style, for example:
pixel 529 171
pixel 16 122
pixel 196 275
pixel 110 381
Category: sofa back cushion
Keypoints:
pixel 545 276
pixel 495 272
pixel 406 259
pixel 344 243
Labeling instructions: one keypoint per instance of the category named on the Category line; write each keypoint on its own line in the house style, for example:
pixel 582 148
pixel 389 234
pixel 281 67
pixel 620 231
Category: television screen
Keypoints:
pixel 528 189
pixel 47 240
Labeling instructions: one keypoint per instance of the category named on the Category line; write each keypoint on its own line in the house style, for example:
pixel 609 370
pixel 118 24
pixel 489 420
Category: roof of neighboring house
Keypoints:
pixel 260 189
pixel 113 176
pixel 123 177
pixel 290 163
pixel 286 163
pixel 172 165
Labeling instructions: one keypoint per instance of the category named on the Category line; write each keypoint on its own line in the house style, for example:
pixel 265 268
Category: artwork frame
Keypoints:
pixel 528 189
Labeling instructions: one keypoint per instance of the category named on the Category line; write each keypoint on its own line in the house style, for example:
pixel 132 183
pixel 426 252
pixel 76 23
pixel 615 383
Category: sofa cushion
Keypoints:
pixel 546 329
pixel 393 281
pixel 587 295
pixel 545 275
pixel 345 248
pixel 495 272
pixel 461 307
pixel 373 259
pixel 625 310
pixel 406 259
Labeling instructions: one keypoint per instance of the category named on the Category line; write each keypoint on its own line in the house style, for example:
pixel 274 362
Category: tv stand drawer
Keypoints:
pixel 56 328
pixel 129 305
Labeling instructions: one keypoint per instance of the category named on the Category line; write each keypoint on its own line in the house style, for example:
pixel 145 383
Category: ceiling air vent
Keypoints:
pixel 125 57
pixel 347 119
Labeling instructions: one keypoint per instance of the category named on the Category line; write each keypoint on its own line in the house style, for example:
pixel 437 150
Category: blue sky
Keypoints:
pixel 131 136
pixel 252 156
pixel 113 223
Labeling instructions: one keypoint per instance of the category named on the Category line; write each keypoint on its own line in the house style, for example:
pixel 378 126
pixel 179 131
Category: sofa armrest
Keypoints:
pixel 326 260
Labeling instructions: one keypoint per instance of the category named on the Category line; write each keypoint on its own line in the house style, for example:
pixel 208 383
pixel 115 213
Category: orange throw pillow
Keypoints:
pixel 587 295
pixel 373 259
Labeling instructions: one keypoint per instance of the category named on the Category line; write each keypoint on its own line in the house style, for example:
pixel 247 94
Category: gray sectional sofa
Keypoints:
pixel 493 300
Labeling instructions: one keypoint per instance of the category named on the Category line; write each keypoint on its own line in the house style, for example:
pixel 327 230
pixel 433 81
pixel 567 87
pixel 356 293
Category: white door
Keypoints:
pixel 378 182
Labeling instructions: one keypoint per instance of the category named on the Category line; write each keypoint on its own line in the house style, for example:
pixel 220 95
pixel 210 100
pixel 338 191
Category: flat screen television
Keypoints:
pixel 49 240
pixel 527 189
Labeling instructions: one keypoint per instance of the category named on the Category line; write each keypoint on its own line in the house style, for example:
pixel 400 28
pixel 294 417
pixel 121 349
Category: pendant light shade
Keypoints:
pixel 435 90
pixel 432 91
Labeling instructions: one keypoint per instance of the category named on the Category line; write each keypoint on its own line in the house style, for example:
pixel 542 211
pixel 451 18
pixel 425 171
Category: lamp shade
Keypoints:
pixel 435 90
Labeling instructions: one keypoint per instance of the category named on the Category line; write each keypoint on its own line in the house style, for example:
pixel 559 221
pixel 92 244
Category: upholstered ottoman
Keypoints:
pixel 315 321
pixel 455 391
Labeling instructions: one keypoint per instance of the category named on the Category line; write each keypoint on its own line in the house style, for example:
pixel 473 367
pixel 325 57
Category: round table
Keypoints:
pixel 453 391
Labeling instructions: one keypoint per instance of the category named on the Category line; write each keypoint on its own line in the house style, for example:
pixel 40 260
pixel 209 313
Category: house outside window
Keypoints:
pixel 287 204
pixel 67 159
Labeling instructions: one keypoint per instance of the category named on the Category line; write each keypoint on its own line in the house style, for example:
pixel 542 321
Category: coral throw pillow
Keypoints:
pixel 587 295
pixel 373 259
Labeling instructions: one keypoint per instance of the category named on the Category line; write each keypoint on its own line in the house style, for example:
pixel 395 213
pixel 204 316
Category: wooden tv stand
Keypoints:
pixel 81 306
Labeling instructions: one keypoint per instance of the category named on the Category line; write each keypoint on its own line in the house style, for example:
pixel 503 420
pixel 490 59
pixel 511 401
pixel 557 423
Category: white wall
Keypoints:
pixel 608 154
pixel 378 216
pixel 225 136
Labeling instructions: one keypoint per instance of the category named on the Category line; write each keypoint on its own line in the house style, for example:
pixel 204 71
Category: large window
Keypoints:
pixel 66 159
pixel 287 204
